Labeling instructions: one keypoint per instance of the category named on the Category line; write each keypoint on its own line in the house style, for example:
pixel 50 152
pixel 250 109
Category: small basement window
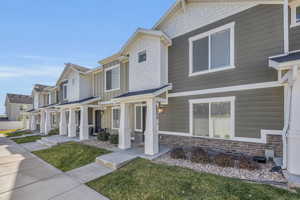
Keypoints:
pixel 142 56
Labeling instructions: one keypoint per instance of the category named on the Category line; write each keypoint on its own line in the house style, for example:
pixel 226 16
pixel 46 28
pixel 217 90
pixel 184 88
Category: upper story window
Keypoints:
pixel 112 78
pixel 212 117
pixel 65 91
pixel 212 51
pixel 295 15
pixel 142 56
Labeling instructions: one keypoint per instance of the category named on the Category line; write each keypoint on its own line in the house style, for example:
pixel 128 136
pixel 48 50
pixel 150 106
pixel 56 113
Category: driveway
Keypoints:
pixel 23 176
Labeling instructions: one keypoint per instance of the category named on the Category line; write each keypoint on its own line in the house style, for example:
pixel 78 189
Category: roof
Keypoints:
pixel 19 98
pixel 79 101
pixel 39 87
pixel 142 92
pixel 72 66
pixel 287 58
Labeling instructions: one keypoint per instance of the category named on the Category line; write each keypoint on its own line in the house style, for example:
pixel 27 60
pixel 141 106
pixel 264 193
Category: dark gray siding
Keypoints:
pixel 295 38
pixel 254 110
pixel 258 35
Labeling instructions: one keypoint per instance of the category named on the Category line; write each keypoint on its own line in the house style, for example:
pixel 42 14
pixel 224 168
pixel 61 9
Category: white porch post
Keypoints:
pixel 151 132
pixel 42 122
pixel 72 124
pixel 84 127
pixel 32 122
pixel 63 123
pixel 47 121
pixel 293 140
pixel 124 131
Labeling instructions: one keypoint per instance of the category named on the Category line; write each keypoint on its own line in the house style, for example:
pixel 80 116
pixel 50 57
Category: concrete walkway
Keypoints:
pixel 23 176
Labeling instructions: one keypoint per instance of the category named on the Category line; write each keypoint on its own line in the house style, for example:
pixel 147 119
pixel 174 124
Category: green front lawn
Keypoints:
pixel 145 180
pixel 17 133
pixel 27 139
pixel 70 155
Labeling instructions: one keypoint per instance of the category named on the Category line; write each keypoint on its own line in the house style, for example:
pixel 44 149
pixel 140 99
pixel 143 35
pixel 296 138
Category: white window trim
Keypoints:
pixel 294 6
pixel 112 117
pixel 108 69
pixel 135 106
pixel 212 100
pixel 65 97
pixel 208 34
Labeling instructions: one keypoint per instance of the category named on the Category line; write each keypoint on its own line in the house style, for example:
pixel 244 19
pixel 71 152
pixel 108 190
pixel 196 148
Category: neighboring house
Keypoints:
pixel 16 105
pixel 217 74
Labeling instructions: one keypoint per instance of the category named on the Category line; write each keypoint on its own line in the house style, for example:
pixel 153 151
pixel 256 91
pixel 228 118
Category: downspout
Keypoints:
pixel 290 87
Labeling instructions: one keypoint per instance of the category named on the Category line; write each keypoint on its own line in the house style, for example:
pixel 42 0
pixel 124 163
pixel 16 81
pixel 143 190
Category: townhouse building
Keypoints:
pixel 216 74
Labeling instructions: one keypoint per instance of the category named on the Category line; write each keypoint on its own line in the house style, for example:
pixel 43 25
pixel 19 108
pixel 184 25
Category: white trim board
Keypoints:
pixel 227 89
pixel 262 140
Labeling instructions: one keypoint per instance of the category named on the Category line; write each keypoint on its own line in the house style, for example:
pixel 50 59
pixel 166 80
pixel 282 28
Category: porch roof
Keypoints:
pixel 285 60
pixel 80 102
pixel 154 91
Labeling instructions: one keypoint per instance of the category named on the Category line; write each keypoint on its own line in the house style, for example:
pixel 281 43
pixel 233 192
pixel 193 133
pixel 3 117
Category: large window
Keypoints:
pixel 65 91
pixel 295 15
pixel 139 117
pixel 212 117
pixel 212 51
pixel 112 78
pixel 115 118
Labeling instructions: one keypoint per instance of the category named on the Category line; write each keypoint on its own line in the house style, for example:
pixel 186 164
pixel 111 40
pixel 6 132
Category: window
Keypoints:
pixel 90 116
pixel 65 91
pixel 112 78
pixel 212 117
pixel 115 118
pixel 212 51
pixel 139 117
pixel 295 15
pixel 142 56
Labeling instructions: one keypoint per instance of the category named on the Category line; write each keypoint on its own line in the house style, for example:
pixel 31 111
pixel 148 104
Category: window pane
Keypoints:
pixel 201 119
pixel 115 78
pixel 108 80
pixel 142 56
pixel 220 49
pixel 138 120
pixel 298 14
pixel 200 55
pixel 220 119
pixel 116 118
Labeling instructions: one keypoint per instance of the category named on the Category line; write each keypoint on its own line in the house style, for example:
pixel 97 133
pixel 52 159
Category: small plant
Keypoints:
pixel 114 139
pixel 199 155
pixel 54 132
pixel 247 163
pixel 224 160
pixel 178 153
pixel 103 136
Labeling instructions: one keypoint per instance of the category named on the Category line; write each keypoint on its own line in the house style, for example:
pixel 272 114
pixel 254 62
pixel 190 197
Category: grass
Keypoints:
pixel 70 155
pixel 27 139
pixel 17 133
pixel 145 180
pixel 8 131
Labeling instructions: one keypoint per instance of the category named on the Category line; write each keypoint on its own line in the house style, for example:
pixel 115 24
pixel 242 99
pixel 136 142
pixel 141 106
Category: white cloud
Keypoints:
pixel 15 72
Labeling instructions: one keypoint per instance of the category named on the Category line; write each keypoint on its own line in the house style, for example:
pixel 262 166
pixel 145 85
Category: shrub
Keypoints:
pixel 247 163
pixel 54 132
pixel 224 160
pixel 178 153
pixel 114 139
pixel 199 155
pixel 103 136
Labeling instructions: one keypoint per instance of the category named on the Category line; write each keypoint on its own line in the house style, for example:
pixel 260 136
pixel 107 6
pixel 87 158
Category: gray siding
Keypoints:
pixel 106 96
pixel 254 110
pixel 295 38
pixel 258 35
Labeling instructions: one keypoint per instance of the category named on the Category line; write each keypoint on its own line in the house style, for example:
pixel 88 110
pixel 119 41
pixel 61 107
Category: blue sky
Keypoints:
pixel 38 37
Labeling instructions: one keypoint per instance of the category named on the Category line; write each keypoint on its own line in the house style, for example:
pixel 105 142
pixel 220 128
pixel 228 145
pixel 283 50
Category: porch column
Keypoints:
pixel 32 122
pixel 84 127
pixel 42 122
pixel 47 122
pixel 124 131
pixel 293 140
pixel 151 132
pixel 72 124
pixel 63 123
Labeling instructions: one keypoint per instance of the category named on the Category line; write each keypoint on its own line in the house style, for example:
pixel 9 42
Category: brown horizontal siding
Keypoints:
pixel 254 110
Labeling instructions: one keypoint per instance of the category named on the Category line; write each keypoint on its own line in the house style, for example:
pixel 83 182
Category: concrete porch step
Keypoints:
pixel 115 160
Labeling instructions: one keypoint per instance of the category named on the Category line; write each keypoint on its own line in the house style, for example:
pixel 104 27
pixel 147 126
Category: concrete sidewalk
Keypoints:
pixel 23 176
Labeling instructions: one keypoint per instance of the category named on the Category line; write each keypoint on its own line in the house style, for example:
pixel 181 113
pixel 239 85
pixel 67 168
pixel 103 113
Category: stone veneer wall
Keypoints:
pixel 274 142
